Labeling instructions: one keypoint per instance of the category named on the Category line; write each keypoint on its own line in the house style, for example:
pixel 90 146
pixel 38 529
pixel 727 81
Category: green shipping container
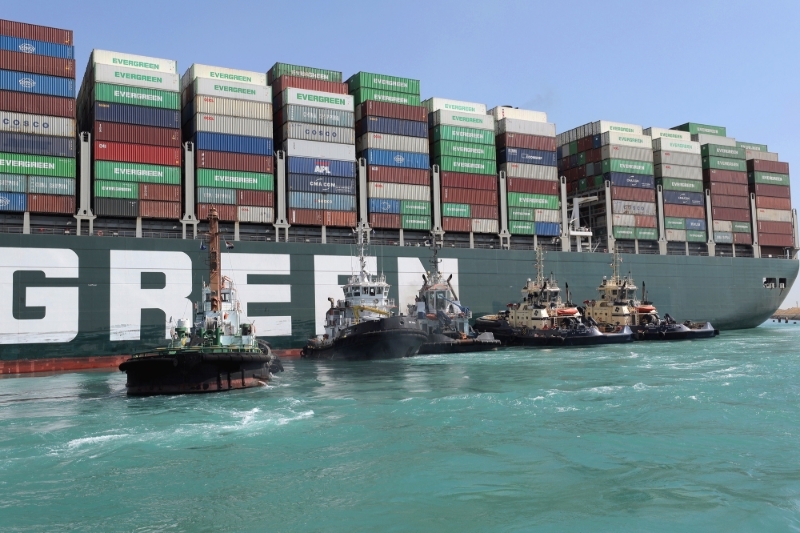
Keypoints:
pixel 718 150
pixel 647 234
pixel 13 183
pixel 628 167
pixel 457 133
pixel 583 184
pixel 694 128
pixel 285 69
pixel 520 213
pixel 456 210
pixel 519 227
pixel 234 179
pixel 624 232
pixel 116 189
pixel 462 149
pixel 416 222
pixel 768 178
pixel 596 182
pixel 581 158
pixel 116 171
pixel 723 163
pixel 533 201
pixel 696 236
pixel 741 227
pixel 414 207
pixel 119 94
pixel 674 223
pixel 470 166
pixel 44 185
pixel 367 80
pixel 675 184
pixel 573 147
pixel 39 165
pixel 362 95
pixel 752 147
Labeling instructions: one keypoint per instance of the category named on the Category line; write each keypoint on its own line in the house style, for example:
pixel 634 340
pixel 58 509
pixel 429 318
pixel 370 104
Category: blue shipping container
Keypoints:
pixel 25 143
pixel 393 126
pixel 619 179
pixel 240 144
pixel 323 184
pixel 380 205
pixel 698 224
pixel 36 84
pixel 597 141
pixel 558 154
pixel 550 229
pixel 529 157
pixel 321 167
pixel 390 158
pixel 330 202
pixel 138 115
pixel 39 48
pixel 13 201
pixel 683 198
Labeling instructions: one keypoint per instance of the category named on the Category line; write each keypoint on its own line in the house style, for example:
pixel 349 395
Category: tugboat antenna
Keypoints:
pixel 214 256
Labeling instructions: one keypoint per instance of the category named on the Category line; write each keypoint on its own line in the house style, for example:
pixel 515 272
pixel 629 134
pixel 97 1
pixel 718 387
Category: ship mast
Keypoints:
pixel 539 266
pixel 615 267
pixel 214 259
pixel 362 253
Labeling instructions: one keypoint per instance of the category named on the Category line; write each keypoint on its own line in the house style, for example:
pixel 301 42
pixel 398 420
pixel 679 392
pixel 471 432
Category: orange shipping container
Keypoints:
pixel 767 202
pixel 779 228
pixel 468 181
pixel 685 211
pixel 633 194
pixel 742 238
pixel 406 176
pixel 255 198
pixel 724 213
pixel 224 212
pixel 382 220
pixel 137 153
pixel 729 189
pixel 51 203
pixel 469 196
pixel 644 221
pixel 165 193
pixel 485 211
pixel 456 224
pixel 724 176
pixel 342 219
pixel 165 210
pixel 306 217
pixel 736 202
pixel 770 239
pixel 533 186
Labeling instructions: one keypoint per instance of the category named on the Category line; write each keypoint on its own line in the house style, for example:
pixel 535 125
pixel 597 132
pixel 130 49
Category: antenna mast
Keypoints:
pixel 214 259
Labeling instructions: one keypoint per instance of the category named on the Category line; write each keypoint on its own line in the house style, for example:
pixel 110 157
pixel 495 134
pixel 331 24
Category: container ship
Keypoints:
pixel 105 191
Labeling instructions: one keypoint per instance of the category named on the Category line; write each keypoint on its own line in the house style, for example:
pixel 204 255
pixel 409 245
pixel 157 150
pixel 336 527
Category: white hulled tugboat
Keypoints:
pixel 219 353
pixel 619 305
pixel 364 324
pixel 442 317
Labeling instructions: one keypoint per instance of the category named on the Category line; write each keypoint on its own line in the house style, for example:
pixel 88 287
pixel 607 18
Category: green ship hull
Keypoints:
pixel 75 297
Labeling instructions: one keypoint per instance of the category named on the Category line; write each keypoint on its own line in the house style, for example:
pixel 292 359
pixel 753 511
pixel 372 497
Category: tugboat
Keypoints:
pixel 442 317
pixel 219 353
pixel 542 319
pixel 364 325
pixel 618 305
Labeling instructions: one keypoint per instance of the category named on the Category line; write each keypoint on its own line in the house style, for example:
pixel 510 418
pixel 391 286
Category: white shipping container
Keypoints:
pixel 223 74
pixel 340 102
pixel 547 215
pixel 454 118
pixel 676 235
pixel 677 171
pixel 602 126
pixel 435 104
pixel 688 147
pixel 773 215
pixel 259 215
pixel 399 191
pixel 763 156
pixel 105 57
pixel 625 207
pixel 227 106
pixel 512 125
pixel 239 91
pixel 484 225
pixel 624 220
pixel 37 124
pixel 385 141
pixel 669 157
pixel 316 149
pixel 627 139
pixel 249 127
pixel 501 112
pixel 315 132
pixel 704 138
pixel 134 77
pixel 613 151
pixel 665 133
pixel 723 225
pixel 536 172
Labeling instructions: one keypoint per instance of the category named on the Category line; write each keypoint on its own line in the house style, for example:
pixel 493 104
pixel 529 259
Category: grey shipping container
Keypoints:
pixel 211 195
pixel 677 171
pixel 764 156
pixel 704 138
pixel 385 141
pixel 510 125
pixel 536 172
pixel 13 183
pixel 399 191
pixel 28 143
pixel 669 157
pixel 248 127
pixel 624 207
pixel 631 153
pixel 316 132
pixel 228 107
pixel 47 185
pixel 320 150
pixel 37 124
pixel 315 115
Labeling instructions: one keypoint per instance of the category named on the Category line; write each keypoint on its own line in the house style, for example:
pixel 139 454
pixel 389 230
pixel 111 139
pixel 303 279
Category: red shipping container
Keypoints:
pixel 255 198
pixel 51 203
pixel 457 224
pixel 533 186
pixel 728 189
pixel 407 176
pixel 779 228
pixel 770 239
pixel 224 212
pixel 166 210
pixel 468 181
pixel 724 176
pixel 306 217
pixel 137 153
pixel 468 196
pixel 644 221
pixel 521 140
pixel 768 202
pixel 759 165
pixel 584 144
pixel 36 104
pixel 35 33
pixel 776 191
pixel 382 220
pixel 736 202
pixel 284 82
pixel 341 219
pixel 132 134
pixel 234 161
pixel 165 193
pixel 633 194
pixel 401 111
pixel 742 238
pixel 726 213
pixel 485 211
pixel 36 64
pixel 685 211
pixel 594 156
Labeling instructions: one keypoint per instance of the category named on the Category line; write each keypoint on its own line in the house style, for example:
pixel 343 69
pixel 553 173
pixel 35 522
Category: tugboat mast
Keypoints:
pixel 214 259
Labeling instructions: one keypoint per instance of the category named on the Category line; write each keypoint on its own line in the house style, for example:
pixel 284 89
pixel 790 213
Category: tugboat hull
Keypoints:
pixel 440 344
pixel 557 337
pixel 387 338
pixel 674 332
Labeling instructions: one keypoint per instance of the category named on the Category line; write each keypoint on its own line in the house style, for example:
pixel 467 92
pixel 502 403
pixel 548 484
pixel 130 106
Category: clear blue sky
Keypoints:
pixel 731 63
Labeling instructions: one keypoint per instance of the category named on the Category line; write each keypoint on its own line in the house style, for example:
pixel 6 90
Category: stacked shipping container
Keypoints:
pixel 315 125
pixel 526 152
pixel 228 115
pixel 392 131
pixel 37 119
pixel 131 106
pixel 768 180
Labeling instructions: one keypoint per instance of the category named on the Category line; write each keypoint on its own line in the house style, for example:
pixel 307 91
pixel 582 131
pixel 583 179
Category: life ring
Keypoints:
pixel 430 316
pixel 570 311
pixel 546 326
pixel 100 233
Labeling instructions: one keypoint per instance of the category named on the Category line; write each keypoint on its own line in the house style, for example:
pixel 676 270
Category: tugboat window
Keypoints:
pixel 372 291
pixel 356 292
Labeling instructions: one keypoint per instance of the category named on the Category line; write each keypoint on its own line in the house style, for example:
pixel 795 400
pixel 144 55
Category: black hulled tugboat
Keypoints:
pixel 442 317
pixel 219 353
pixel 364 325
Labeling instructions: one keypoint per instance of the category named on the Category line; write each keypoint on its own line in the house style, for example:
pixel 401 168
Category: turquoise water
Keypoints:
pixel 691 436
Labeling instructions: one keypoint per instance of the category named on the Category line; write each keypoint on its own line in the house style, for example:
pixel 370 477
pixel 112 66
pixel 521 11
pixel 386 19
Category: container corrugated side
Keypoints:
pixel 226 106
pixel 766 239
pixel 776 191
pixel 768 202
pixel 391 126
pixel 389 110
pixel 216 195
pixel 131 133
pixel 509 125
pixel 726 176
pixel 36 64
pixel 37 124
pixel 116 189
pixel 435 104
pixel 255 214
pixel 138 96
pixel 155 64
pixel 23 30
pixel 407 176
pixel 398 191
pixel 37 84
pixel 723 225
pixel 321 166
pixel 385 141
pixel 13 201
pixel 522 170
pixel 464 149
pixel 684 198
pixel 716 150
pixel 255 198
pixel 627 139
pixel 116 207
pixel 667 157
pixel 462 134
pixel 678 171
pixel 773 215
pixel 622 179
pixel 43 185
pixel 532 186
pixel 137 153
pixel 118 171
pixel 703 138
pixel 472 197
pixel 167 193
pixel 362 80
pixel 286 69
pixel 627 166
pixel 625 207
pixel 696 224
pixel 725 213
pixel 224 212
pixel 472 166
pixel 133 77
pixel 315 132
pixel 676 184
pixel 321 184
pixel 37 104
pixel 684 211
pixel 675 135
pixel 602 126
pixel 219 89
pixel 472 181
pixel 247 127
pixel 22 143
pixel 384 205
pixel 234 179
pixel 242 144
pixel 531 142
pixel 234 161
pixel 311 98
pixel 723 237
pixel 56 204
pixel 222 74
pixel 34 46
pixel 768 178
pixel 320 150
pixel 547 215
pixel 297 82
pixel 732 189
pixel 521 213
pixel 764 156
pixel 333 202
pixel 695 128
pixel 635 194
pixel 162 210
pixel 39 165
pixel 137 115
pixel 393 158
pixel 13 183
pixel 467 120
pixel 766 226
pixel 736 202
pixel 760 165
pixel 415 222
pixel 415 207
pixel 314 115
pixel 613 151
pixel 521 227
pixel 676 235
pixel 455 210
pixel 381 95
pixel 501 112
pixel 533 201
pixel 688 147
pixel 483 225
